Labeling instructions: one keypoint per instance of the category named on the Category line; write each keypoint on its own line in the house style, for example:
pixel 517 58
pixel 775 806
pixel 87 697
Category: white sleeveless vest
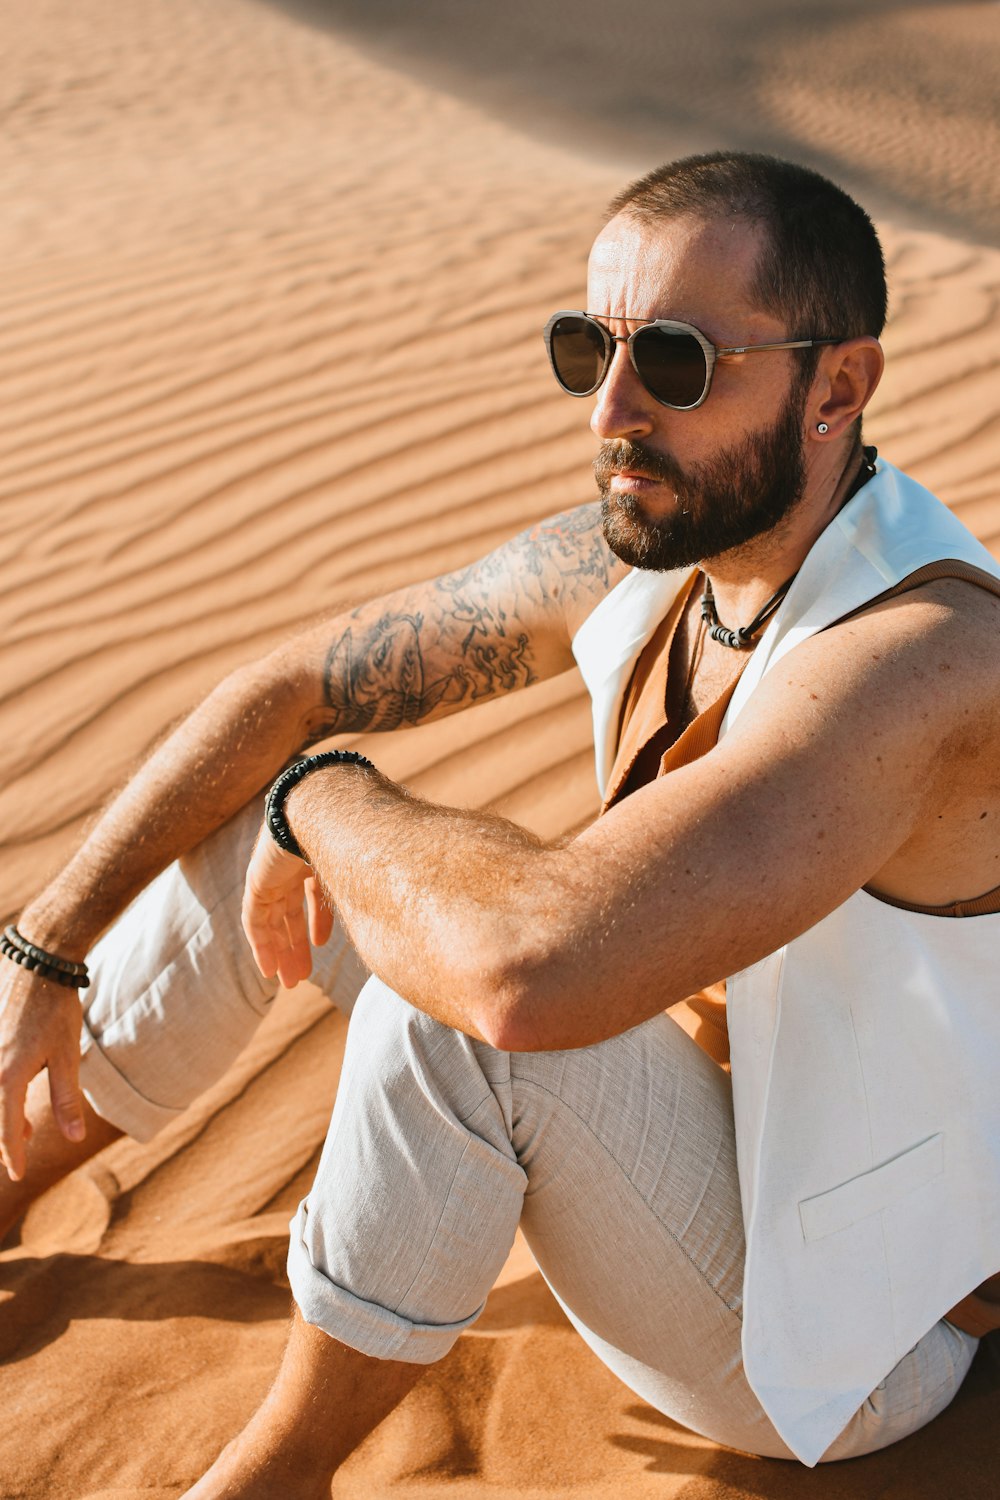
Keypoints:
pixel 865 1053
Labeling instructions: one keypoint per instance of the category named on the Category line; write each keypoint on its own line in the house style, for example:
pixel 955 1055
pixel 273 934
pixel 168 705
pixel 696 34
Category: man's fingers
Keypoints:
pixel 262 947
pixel 39 1029
pixel 295 923
pixel 64 1091
pixel 273 915
pixel 320 915
pixel 13 1127
pixel 297 936
pixel 277 953
pixel 290 970
pixel 264 925
pixel 275 956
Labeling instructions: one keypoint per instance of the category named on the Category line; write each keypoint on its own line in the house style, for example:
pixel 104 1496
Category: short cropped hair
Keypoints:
pixel 821 270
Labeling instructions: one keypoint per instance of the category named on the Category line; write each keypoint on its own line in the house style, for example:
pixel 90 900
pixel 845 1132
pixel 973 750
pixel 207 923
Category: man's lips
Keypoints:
pixel 630 470
pixel 633 479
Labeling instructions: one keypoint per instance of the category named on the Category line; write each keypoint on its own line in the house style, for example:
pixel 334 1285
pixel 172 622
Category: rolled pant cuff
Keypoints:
pixel 362 1325
pixel 114 1098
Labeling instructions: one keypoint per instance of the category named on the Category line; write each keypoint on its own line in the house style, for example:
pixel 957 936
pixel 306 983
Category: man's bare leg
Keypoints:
pixel 50 1155
pixel 325 1401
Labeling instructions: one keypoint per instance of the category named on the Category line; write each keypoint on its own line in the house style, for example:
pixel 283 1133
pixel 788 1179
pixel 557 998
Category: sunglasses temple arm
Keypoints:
pixel 763 348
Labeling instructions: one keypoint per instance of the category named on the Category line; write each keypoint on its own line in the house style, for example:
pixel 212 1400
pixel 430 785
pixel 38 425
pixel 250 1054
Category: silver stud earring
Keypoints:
pixel 822 427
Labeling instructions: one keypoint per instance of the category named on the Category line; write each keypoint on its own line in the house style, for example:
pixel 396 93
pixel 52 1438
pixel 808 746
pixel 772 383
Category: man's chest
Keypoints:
pixel 700 669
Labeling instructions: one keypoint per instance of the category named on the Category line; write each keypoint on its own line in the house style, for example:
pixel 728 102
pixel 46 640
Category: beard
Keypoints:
pixel 721 504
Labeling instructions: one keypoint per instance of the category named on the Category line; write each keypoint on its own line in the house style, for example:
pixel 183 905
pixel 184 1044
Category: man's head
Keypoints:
pixel 820 268
pixel 747 250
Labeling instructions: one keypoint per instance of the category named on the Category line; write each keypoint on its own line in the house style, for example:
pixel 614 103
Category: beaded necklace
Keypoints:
pixel 742 638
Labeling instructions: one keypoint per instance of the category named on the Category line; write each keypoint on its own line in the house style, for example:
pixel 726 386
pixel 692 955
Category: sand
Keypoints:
pixel 273 284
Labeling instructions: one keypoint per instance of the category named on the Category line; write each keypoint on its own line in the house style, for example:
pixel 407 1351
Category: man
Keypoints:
pixel 797 758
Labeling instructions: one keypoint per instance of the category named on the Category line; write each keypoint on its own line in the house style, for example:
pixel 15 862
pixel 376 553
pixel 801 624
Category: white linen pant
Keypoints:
pixel 617 1160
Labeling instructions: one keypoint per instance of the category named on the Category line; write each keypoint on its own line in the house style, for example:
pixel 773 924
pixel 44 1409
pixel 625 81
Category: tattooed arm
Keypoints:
pixel 414 655
pixel 498 625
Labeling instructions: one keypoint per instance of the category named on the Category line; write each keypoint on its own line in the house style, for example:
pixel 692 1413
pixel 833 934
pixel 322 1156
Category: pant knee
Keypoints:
pixel 417 1194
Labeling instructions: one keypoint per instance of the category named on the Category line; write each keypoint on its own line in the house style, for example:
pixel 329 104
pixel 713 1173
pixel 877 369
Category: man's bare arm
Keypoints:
pixel 487 629
pixel 848 752
pixel 424 651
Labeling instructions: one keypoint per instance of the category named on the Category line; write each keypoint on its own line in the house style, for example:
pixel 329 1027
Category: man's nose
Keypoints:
pixel 622 406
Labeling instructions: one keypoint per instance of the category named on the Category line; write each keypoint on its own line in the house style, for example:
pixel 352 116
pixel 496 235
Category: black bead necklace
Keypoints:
pixel 742 638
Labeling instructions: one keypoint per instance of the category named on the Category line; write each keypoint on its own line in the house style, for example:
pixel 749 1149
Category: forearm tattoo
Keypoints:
pixel 466 636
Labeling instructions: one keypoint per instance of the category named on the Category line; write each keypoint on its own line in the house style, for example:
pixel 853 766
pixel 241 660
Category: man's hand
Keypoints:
pixel 283 912
pixel 39 1028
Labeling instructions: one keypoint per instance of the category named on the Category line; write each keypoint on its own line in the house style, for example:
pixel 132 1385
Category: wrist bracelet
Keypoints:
pixel 71 976
pixel 274 807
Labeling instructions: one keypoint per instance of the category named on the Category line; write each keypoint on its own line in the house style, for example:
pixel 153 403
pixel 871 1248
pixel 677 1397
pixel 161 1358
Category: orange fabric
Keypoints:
pixel 650 742
pixel 979 1312
pixel 643 718
pixel 977 906
pixel 703 1017
pixel 649 745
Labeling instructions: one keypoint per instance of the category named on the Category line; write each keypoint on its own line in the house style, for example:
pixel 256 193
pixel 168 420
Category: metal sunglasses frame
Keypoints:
pixel 711 351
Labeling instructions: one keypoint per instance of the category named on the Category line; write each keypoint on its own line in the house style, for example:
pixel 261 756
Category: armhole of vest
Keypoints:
pixel 948 567
pixel 952 567
pixel 986 905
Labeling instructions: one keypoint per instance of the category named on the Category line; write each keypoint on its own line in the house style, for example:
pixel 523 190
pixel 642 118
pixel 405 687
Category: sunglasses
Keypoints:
pixel 673 360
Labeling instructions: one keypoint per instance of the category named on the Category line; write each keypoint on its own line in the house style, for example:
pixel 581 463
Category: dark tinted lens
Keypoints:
pixel 578 354
pixel 671 365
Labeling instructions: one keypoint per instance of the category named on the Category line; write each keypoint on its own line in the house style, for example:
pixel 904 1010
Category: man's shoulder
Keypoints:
pixel 926 654
pixel 893 548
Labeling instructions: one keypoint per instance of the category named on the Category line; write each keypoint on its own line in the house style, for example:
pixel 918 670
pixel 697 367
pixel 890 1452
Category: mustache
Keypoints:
pixel 615 457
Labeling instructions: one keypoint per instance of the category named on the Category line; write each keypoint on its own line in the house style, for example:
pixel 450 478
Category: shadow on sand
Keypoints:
pixel 675 78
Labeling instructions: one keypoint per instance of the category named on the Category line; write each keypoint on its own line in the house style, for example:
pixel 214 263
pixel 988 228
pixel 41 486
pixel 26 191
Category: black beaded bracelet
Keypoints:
pixel 274 807
pixel 64 971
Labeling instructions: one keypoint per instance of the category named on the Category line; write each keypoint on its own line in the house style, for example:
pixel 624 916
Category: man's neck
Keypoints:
pixel 745 578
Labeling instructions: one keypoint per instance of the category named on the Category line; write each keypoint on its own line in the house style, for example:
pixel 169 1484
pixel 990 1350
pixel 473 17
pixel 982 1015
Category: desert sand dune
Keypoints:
pixel 274 279
pixel 894 98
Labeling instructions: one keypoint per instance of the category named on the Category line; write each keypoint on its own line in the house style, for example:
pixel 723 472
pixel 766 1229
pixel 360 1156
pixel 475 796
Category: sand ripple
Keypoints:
pixel 269 340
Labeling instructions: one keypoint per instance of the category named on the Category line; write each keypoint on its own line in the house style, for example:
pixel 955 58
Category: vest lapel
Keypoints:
pixel 891 528
pixel 608 644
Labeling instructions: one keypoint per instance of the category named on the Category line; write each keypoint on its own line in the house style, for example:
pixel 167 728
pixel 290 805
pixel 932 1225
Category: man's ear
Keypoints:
pixel 846 380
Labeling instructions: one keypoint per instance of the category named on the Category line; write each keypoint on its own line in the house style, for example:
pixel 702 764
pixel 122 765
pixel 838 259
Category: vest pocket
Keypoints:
pixel 869 1193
